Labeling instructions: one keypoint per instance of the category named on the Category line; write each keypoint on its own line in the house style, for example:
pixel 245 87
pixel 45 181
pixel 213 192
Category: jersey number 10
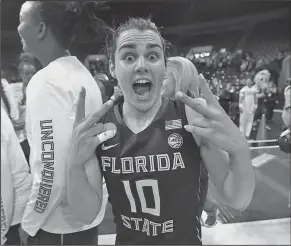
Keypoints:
pixel 140 184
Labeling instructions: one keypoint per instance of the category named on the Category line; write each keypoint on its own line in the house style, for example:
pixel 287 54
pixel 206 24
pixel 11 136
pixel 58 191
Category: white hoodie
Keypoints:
pixel 52 94
pixel 15 177
pixel 14 113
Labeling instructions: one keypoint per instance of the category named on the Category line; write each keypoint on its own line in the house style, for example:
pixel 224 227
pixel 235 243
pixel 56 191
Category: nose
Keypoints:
pixel 141 66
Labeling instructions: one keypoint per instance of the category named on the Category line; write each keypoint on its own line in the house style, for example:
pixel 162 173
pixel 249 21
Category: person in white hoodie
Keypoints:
pixel 8 102
pixel 248 104
pixel 27 67
pixel 47 29
pixel 15 182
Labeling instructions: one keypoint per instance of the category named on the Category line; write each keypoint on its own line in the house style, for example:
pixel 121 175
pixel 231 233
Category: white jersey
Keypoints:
pixel 52 95
pixel 248 93
pixel 15 178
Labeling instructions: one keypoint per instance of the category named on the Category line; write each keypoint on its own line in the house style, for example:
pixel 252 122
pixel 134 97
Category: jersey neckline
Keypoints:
pixel 119 117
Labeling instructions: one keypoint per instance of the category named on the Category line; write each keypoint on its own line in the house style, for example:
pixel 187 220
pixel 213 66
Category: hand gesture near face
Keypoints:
pixel 87 133
pixel 215 126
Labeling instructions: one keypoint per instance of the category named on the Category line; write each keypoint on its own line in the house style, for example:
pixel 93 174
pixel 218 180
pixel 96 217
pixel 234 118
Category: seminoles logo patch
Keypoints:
pixel 175 141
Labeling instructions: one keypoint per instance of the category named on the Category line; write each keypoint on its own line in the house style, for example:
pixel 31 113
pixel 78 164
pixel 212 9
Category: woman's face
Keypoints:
pixel 139 67
pixel 28 28
pixel 249 82
pixel 26 73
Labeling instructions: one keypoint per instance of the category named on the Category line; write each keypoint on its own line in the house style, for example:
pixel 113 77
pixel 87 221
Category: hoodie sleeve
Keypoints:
pixel 49 122
pixel 7 194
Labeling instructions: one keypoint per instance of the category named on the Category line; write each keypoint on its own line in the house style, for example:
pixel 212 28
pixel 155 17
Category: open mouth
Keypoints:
pixel 142 88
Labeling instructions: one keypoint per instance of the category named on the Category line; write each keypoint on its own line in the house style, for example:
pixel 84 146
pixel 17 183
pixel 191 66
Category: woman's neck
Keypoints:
pixel 53 55
pixel 137 120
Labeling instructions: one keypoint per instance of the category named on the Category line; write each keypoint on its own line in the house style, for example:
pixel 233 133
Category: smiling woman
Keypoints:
pixel 47 29
pixel 63 20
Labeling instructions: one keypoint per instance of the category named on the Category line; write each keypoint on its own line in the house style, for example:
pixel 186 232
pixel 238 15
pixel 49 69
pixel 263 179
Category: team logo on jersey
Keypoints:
pixel 173 124
pixel 175 140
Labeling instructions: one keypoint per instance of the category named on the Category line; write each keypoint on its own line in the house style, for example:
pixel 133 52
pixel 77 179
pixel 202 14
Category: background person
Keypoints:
pixel 248 104
pixel 261 80
pixel 271 100
pixel 179 77
pixel 15 183
pixel 8 102
pixel 47 30
pixel 27 67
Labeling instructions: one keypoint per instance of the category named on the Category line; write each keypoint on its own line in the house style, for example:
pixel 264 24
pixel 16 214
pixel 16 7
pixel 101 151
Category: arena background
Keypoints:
pixel 260 28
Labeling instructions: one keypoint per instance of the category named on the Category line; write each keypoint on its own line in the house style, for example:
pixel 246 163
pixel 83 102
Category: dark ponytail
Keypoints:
pixel 92 24
pixel 71 19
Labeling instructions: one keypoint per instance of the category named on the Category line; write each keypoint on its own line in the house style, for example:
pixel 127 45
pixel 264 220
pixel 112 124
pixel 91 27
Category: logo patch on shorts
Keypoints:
pixel 175 140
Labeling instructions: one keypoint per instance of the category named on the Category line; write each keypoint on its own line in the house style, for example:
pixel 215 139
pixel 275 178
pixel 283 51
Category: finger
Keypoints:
pixel 96 129
pixel 97 116
pixel 203 132
pixel 104 136
pixel 200 122
pixel 110 126
pixel 191 94
pixel 113 98
pixel 197 104
pixel 80 109
pixel 205 90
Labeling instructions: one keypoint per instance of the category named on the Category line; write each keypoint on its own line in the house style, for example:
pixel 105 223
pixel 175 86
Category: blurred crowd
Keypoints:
pixel 228 72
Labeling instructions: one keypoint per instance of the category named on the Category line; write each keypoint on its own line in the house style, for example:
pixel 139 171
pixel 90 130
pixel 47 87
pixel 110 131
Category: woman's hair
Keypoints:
pixel 184 71
pixel 26 58
pixel 262 78
pixel 137 23
pixel 69 19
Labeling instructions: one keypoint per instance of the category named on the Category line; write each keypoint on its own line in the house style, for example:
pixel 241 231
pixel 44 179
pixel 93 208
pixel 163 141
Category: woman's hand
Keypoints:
pixel 215 125
pixel 87 133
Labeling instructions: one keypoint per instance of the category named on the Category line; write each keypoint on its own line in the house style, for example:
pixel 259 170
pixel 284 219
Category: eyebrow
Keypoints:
pixel 127 46
pixel 133 45
pixel 153 45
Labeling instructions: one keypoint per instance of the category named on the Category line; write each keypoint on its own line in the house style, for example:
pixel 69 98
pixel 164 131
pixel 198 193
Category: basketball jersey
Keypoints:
pixel 153 178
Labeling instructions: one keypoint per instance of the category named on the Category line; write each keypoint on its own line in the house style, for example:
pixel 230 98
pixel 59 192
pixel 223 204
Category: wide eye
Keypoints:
pixel 129 58
pixel 153 57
